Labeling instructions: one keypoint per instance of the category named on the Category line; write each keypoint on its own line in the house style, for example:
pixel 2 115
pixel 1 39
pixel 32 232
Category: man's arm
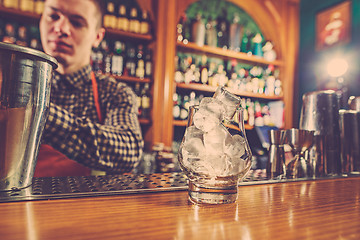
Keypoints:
pixel 114 146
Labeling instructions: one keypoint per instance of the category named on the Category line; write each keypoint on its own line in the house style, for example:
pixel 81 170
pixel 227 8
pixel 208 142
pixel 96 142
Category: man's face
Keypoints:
pixel 69 29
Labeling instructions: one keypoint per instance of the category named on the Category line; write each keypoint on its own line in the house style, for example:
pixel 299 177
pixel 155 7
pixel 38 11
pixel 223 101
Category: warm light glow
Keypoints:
pixel 337 67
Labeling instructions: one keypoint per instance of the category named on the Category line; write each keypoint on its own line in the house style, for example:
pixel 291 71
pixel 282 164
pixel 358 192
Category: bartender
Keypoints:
pixel 92 122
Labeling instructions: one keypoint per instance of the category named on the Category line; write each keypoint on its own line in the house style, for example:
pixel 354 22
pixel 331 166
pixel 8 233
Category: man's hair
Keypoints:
pixel 100 4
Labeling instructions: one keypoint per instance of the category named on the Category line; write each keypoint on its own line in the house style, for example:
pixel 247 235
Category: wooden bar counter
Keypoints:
pixel 320 209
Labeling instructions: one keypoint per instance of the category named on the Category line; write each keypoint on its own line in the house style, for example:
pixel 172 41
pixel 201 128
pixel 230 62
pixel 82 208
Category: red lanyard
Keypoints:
pixel 96 96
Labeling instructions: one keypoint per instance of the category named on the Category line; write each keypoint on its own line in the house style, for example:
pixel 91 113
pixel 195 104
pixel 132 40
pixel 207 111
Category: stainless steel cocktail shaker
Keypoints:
pixel 320 113
pixel 24 99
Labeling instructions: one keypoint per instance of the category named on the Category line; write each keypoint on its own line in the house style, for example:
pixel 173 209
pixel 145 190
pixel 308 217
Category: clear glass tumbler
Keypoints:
pixel 215 156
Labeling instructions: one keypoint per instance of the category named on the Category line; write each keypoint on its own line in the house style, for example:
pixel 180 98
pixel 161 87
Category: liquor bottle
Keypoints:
pixel 183 29
pixel 26 5
pixel 192 99
pixel 180 29
pixel 245 42
pixel 220 78
pixel 211 34
pixel 140 63
pixel 145 23
pixel 122 18
pixel 11 4
pixel 137 92
pixel 39 6
pixel 204 72
pixel 176 106
pixel 9 34
pixel 232 75
pixel 134 22
pixel 223 32
pixel 34 38
pixel 235 34
pixel 145 101
pixel 97 59
pixel 148 63
pixel 131 61
pixel 245 110
pixel 110 17
pixel 179 74
pixel 212 73
pixel 184 108
pixel 106 67
pixel 22 36
pixel 257 43
pixel 198 31
pixel 117 60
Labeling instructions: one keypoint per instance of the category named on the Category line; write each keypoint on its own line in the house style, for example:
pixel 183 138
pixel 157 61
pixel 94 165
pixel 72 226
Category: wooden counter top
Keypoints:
pixel 321 209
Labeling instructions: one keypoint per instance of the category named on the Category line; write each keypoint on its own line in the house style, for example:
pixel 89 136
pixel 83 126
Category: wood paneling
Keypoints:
pixel 321 209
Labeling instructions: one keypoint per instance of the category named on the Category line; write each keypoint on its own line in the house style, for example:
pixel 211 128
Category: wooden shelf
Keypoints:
pixel 16 14
pixel 183 123
pixel 144 121
pixel 128 35
pixel 227 54
pixel 211 89
pixel 131 79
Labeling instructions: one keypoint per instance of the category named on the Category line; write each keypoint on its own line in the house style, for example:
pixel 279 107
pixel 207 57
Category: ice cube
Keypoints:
pixel 235 146
pixel 193 147
pixel 214 140
pixel 213 107
pixel 230 101
pixel 205 121
pixel 193 132
pixel 219 165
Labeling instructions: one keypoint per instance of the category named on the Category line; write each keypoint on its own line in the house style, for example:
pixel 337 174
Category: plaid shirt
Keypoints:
pixel 73 126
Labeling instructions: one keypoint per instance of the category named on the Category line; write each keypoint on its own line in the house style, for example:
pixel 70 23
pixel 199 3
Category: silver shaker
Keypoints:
pixel 350 141
pixel 320 113
pixel 276 163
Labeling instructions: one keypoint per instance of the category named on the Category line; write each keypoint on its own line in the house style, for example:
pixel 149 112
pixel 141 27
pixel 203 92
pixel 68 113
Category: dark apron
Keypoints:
pixel 52 163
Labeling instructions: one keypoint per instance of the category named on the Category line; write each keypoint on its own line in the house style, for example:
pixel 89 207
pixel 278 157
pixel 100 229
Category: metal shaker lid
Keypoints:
pixel 320 112
pixel 28 51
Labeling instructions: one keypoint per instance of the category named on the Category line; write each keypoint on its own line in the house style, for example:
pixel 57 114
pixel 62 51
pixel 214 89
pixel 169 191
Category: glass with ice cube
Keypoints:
pixel 214 154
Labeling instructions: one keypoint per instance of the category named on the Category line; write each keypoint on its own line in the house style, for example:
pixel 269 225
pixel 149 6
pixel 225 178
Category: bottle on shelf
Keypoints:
pixel 198 31
pixel 34 38
pixel 22 36
pixel 117 59
pixel 257 45
pixel 39 6
pixel 235 34
pixel 140 63
pixel 176 106
pixel 183 29
pixel 130 66
pixel 11 4
pixel 245 42
pixel 184 108
pixel 204 72
pixel 134 21
pixel 145 101
pixel 26 5
pixel 97 58
pixel 110 19
pixel 9 33
pixel 211 33
pixel 137 91
pixel 145 23
pixel 148 63
pixel 223 31
pixel 122 18
pixel 106 67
